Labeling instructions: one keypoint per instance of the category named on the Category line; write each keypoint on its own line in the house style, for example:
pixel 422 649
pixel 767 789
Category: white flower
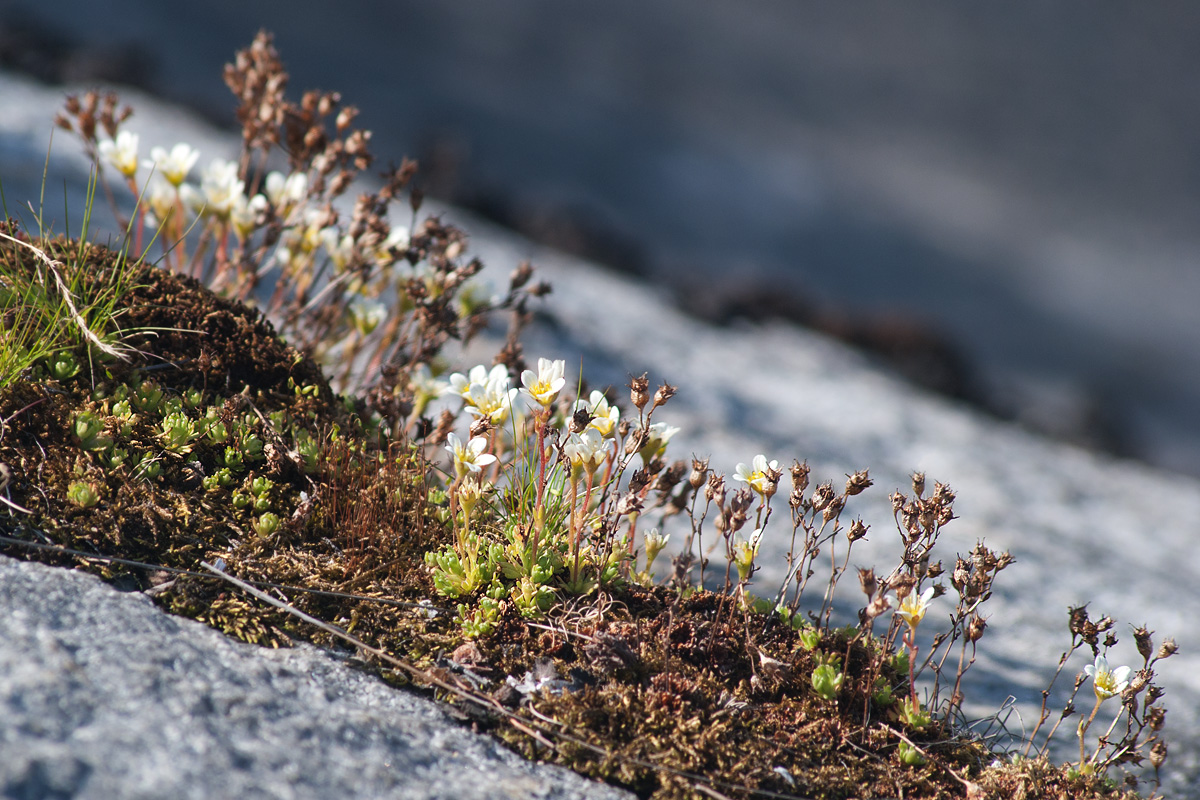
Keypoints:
pixel 587 450
pixel 221 187
pixel 366 315
pixel 468 457
pixel 340 248
pixel 244 215
pixel 744 554
pixel 654 542
pixel 1107 682
pixel 604 416
pixel 161 199
pixel 544 385
pixel 912 608
pixel 397 239
pixel 424 387
pixel 756 475
pixel 479 375
pixel 492 399
pixel 285 193
pixel 658 436
pixel 175 165
pixel 122 153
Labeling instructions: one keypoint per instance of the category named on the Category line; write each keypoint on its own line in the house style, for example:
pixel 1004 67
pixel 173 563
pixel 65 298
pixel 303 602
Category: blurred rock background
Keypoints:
pixel 998 201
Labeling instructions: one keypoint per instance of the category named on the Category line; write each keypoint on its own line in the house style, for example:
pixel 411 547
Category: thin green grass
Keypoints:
pixel 51 308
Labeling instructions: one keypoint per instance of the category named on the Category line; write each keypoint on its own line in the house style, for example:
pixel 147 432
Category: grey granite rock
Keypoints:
pixel 102 695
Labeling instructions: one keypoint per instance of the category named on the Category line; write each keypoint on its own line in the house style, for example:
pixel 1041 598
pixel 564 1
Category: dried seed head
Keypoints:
pixel 1168 648
pixel 898 501
pixel 918 483
pixel 857 530
pixel 866 579
pixel 834 508
pixel 639 389
pixel 480 427
pixel 663 394
pixel 715 491
pixel 1141 636
pixel 822 496
pixel 520 276
pixel 975 628
pixel 1155 717
pixel 1158 754
pixel 1078 620
pixel 629 503
pixel 879 604
pixel 903 586
pixel 857 482
pixel 799 476
pixel 699 473
pixel 580 420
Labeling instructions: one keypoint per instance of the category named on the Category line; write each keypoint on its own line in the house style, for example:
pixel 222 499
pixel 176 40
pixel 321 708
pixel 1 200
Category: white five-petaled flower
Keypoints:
pixel 604 416
pixel 658 436
pixel 175 165
pixel 587 450
pixel 221 187
pixel 756 474
pixel 1107 682
pixel 468 457
pixel 492 400
pixel 913 607
pixel 479 375
pixel 122 153
pixel 544 385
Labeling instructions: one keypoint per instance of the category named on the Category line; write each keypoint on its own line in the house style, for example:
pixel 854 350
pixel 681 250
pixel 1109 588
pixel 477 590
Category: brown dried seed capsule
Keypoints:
pixel 975 628
pixel 1168 648
pixel 1078 619
pixel 1141 637
pixel 898 501
pixel 663 394
pixel 879 604
pixel 857 482
pixel 918 483
pixel 639 389
pixel 799 476
pixel 699 473
pixel 857 530
pixel 1158 754
pixel 866 579
pixel 834 508
pixel 580 420
pixel 822 496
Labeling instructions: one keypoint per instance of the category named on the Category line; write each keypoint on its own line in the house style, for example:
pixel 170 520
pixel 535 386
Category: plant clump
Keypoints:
pixel 272 402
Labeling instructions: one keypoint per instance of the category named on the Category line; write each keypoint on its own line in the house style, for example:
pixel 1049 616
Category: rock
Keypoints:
pixel 106 696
